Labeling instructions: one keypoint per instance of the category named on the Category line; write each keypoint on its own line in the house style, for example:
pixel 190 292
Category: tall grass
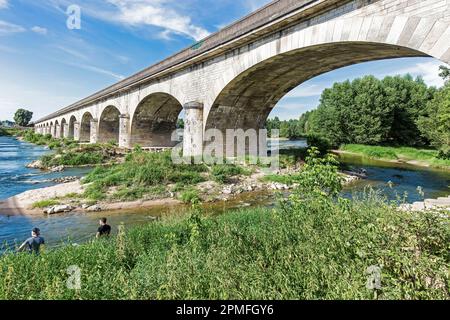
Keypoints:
pixel 140 172
pixel 314 250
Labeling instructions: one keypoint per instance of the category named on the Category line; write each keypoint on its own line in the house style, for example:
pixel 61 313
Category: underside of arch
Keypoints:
pixel 85 127
pixel 71 133
pixel 109 123
pixel 246 102
pixel 154 120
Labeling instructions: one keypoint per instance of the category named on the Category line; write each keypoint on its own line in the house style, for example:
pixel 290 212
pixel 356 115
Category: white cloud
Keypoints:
pixel 3 4
pixel 159 13
pixel 72 52
pixel 429 71
pixel 9 28
pixel 98 70
pixel 39 30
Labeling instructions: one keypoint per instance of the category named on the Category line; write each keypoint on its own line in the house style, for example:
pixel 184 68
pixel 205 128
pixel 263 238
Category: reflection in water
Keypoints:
pixel 398 180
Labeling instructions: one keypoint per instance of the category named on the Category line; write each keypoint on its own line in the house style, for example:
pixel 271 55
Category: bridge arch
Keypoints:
pixel 62 128
pixel 154 120
pixel 109 124
pixel 71 133
pixel 247 93
pixel 85 127
pixel 57 129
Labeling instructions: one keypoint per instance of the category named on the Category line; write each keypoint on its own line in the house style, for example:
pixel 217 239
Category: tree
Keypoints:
pixel 435 126
pixel 444 73
pixel 408 99
pixel 180 124
pixel 23 117
pixel 303 122
pixel 372 111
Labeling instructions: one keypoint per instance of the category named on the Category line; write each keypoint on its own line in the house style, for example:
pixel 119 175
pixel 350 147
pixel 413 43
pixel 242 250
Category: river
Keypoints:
pixel 78 227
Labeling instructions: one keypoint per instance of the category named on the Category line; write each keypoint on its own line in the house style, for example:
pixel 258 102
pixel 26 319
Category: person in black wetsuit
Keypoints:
pixel 104 229
pixel 33 244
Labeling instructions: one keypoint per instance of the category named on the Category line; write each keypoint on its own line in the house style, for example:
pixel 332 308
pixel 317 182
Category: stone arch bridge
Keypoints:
pixel 234 78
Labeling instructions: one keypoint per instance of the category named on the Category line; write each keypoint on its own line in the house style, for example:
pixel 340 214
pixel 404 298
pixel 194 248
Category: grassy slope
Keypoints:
pixel 423 156
pixel 318 249
pixel 145 174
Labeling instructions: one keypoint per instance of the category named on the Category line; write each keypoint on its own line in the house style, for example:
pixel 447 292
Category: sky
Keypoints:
pixel 45 65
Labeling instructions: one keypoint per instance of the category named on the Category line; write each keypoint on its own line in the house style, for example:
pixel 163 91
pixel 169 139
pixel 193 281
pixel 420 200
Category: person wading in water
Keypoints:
pixel 104 229
pixel 33 244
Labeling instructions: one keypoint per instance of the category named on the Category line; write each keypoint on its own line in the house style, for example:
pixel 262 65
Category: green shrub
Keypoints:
pixel 143 170
pixel 321 143
pixel 223 172
pixel 44 204
pixel 190 196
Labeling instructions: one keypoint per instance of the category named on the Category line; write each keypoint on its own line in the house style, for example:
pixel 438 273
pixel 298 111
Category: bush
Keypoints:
pixel 142 170
pixel 44 204
pixel 223 172
pixel 190 196
pixel 321 143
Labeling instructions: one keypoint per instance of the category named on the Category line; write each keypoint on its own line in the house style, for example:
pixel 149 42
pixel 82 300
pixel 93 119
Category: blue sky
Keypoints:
pixel 45 66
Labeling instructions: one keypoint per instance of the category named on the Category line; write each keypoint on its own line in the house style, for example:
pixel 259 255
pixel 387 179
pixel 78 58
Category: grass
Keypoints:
pixel 147 175
pixel 79 155
pixel 141 174
pixel 425 156
pixel 44 204
pixel 190 195
pixel 222 173
pixel 316 249
pixel 67 151
pixel 287 179
pixel 11 131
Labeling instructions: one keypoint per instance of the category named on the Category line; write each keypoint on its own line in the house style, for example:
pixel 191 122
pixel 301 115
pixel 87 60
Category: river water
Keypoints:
pixel 78 227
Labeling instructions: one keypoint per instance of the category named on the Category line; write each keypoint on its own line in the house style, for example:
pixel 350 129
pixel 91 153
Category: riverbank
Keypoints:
pixel 408 155
pixel 151 179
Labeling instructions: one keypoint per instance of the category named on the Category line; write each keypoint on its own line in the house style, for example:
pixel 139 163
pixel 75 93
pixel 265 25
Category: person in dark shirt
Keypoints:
pixel 33 244
pixel 104 229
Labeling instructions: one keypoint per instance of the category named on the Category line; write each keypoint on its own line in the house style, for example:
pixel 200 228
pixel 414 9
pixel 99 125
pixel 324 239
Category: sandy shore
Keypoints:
pixel 21 204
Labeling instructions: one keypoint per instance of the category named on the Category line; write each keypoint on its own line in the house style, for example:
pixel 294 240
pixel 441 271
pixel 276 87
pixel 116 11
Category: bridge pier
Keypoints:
pixel 94 131
pixel 124 131
pixel 76 131
pixel 193 130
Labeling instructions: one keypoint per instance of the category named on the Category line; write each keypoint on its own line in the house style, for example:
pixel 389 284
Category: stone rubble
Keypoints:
pixel 59 209
pixel 428 204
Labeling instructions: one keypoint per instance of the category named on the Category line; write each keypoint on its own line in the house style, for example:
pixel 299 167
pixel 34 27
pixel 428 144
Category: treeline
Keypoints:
pixel 292 129
pixel 396 110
